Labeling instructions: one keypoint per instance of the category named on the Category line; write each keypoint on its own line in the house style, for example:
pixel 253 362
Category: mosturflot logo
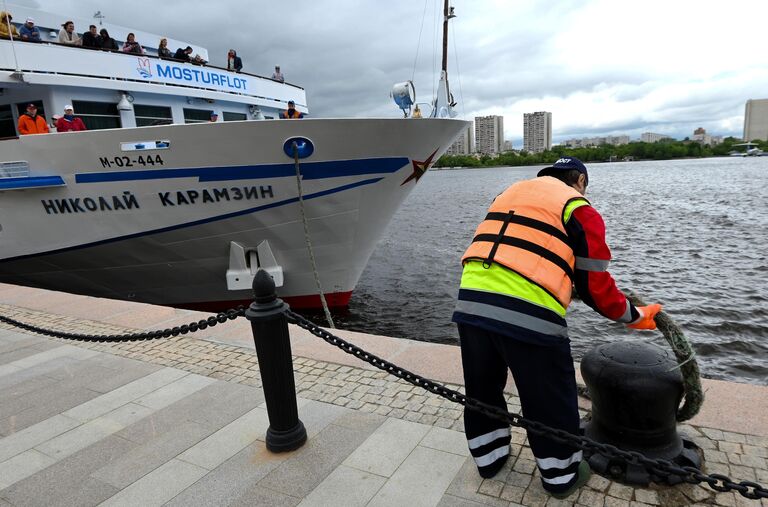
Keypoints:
pixel 145 68
pixel 190 74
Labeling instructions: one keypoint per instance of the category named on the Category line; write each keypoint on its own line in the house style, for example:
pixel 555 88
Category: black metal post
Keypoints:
pixel 273 348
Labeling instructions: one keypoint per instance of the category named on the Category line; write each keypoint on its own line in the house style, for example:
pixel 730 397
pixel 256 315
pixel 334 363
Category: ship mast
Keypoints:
pixel 443 105
pixel 445 41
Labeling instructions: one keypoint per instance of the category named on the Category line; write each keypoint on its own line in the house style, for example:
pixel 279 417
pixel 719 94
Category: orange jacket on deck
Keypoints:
pixel 29 125
pixel 524 231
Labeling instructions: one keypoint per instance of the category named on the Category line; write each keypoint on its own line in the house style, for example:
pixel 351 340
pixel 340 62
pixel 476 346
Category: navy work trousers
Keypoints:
pixel 546 383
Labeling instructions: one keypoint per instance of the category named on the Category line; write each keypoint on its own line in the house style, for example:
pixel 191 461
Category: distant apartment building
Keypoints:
pixel 596 141
pixel 756 120
pixel 463 144
pixel 489 134
pixel 537 131
pixel 650 137
pixel 700 136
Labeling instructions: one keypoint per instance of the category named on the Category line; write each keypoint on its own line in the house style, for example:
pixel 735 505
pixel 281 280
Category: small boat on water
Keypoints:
pixel 751 150
pixel 154 203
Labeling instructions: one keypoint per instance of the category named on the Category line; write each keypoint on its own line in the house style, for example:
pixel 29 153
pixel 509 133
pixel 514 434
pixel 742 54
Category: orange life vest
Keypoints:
pixel 288 113
pixel 524 231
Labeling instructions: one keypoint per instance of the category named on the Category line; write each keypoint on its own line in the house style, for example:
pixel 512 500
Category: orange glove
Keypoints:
pixel 647 314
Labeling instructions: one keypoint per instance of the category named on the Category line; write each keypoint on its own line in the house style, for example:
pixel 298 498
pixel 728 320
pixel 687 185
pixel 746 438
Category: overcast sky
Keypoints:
pixel 600 66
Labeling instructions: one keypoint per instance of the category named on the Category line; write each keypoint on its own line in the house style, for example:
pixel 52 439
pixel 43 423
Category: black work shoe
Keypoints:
pixel 583 474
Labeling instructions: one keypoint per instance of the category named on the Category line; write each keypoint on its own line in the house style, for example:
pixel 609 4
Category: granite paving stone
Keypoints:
pixel 91 432
pixel 417 481
pixel 158 486
pixel 228 441
pixel 175 391
pixel 151 454
pixel 446 440
pixel 36 407
pixel 344 486
pixel 386 449
pixel 123 395
pixel 265 497
pixel 232 479
pixel 11 352
pixel 311 464
pixel 455 501
pixel 356 401
pixel 68 481
pixel 46 356
pixel 28 438
pixel 22 466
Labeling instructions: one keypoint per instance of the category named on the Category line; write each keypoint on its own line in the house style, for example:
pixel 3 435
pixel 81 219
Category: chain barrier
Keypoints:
pixel 661 467
pixel 192 327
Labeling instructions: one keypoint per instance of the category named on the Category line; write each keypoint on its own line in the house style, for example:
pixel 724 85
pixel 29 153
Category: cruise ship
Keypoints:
pixel 154 203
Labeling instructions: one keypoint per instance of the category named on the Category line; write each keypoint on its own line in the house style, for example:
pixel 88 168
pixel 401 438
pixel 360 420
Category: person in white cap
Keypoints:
pixel 277 75
pixel 69 122
pixel 29 32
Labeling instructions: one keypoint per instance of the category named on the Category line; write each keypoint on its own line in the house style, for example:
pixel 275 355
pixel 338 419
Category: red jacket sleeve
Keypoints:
pixel 593 282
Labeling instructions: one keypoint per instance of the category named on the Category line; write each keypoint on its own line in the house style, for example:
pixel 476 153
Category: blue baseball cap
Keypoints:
pixel 566 164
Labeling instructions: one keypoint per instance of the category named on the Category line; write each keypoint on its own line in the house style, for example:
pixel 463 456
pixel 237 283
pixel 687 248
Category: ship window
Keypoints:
pixel 7 125
pixel 197 115
pixel 152 115
pixel 233 116
pixel 97 115
pixel 22 108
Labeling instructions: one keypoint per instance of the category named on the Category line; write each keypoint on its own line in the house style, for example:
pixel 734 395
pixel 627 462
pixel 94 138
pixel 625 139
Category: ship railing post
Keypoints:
pixel 273 349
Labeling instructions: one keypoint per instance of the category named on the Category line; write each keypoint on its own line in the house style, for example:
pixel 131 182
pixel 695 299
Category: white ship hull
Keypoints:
pixel 156 224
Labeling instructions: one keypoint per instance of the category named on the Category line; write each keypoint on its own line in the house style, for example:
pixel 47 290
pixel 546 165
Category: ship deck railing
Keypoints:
pixel 43 59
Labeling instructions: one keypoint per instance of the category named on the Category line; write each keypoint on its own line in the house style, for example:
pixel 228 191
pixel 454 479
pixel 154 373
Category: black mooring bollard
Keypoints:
pixel 273 348
pixel 636 390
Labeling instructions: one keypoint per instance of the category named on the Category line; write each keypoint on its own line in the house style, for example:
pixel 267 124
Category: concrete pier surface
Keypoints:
pixel 182 421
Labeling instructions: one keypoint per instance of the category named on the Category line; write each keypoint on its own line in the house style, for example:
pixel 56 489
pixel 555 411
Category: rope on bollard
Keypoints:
pixel 660 467
pixel 200 325
pixel 686 361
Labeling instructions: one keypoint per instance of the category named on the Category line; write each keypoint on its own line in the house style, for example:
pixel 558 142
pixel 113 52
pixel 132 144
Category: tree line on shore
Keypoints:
pixel 638 150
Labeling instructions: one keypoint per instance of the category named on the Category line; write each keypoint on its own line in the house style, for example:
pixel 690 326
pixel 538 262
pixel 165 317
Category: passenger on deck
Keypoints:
pixel 67 35
pixel 198 60
pixel 69 122
pixel 291 112
pixel 162 49
pixel 131 46
pixel 32 123
pixel 29 32
pixel 233 61
pixel 183 54
pixel 214 118
pixel 91 38
pixel 107 42
pixel 277 75
pixel 7 30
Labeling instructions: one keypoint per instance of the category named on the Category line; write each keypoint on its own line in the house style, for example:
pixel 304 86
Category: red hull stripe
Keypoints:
pixel 335 300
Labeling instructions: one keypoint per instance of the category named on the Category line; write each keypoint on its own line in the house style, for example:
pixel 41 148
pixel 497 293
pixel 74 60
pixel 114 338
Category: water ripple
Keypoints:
pixel 690 234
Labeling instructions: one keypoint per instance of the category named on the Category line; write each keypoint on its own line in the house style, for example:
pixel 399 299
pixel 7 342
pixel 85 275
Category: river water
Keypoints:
pixel 690 234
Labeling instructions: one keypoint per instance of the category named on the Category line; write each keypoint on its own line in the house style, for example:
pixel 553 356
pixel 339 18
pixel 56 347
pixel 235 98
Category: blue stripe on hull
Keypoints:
pixel 31 182
pixel 205 220
pixel 309 171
